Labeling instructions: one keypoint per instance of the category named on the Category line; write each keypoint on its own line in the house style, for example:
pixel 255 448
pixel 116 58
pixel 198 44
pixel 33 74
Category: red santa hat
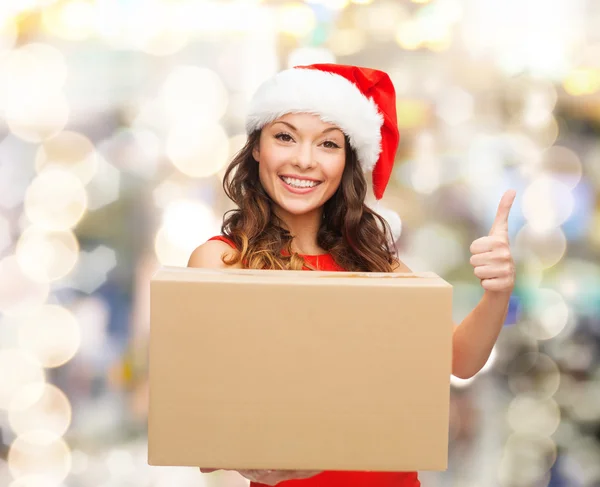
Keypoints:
pixel 360 101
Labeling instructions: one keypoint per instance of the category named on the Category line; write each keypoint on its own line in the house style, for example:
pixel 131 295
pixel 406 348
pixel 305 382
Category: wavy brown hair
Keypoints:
pixel 357 238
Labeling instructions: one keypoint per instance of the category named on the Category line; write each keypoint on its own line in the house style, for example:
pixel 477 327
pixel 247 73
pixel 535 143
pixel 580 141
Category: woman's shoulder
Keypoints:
pixel 210 254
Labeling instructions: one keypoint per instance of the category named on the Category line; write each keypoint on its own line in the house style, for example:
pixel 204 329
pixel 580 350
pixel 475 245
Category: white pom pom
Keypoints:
pixel 392 218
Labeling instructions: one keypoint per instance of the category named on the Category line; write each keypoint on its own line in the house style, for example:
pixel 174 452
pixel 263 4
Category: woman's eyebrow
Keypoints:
pixel 296 130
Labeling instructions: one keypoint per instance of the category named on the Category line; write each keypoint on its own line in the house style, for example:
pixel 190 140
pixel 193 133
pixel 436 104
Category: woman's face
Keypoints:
pixel 300 162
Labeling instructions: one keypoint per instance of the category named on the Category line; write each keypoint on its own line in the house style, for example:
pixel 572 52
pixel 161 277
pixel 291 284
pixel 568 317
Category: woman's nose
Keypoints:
pixel 305 156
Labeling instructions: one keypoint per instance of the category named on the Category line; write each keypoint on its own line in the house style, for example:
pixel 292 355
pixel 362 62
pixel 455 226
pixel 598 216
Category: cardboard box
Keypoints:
pixel 299 370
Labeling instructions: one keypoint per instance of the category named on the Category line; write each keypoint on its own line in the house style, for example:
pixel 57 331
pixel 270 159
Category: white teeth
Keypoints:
pixel 300 183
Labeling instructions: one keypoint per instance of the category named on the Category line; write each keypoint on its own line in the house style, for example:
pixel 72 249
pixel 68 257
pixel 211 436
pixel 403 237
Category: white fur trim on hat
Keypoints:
pixel 334 98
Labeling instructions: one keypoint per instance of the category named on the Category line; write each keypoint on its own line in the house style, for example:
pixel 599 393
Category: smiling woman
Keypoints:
pixel 300 188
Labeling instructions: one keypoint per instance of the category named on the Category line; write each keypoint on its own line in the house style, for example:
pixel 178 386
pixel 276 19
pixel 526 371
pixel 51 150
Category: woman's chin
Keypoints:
pixel 297 208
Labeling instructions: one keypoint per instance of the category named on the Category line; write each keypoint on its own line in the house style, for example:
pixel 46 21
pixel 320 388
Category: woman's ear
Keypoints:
pixel 256 151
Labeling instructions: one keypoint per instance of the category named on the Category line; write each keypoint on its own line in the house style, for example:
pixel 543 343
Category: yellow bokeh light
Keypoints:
pixel 51 334
pixel 46 256
pixel 55 200
pixel 362 2
pixel 40 453
pixel 194 94
pixel 18 292
pixel 296 19
pixel 198 150
pixel 408 35
pixel 33 409
pixel 412 113
pixel 72 20
pixel 71 151
pixel 17 370
pixel 584 81
pixel 345 42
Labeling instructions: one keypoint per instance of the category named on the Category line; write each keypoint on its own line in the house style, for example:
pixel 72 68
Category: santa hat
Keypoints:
pixel 360 101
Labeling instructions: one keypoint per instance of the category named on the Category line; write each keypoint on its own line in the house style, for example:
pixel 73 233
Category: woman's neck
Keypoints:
pixel 304 228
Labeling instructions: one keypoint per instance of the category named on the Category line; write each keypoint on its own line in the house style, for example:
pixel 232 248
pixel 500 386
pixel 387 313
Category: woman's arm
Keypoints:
pixel 474 338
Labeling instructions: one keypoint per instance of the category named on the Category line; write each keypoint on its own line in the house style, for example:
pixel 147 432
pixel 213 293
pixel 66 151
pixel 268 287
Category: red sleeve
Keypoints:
pixel 222 238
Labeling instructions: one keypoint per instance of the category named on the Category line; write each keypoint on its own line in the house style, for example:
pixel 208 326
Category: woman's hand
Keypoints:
pixel 273 477
pixel 492 259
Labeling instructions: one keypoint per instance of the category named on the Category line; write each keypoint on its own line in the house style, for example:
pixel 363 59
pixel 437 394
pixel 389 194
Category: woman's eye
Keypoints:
pixel 330 144
pixel 284 137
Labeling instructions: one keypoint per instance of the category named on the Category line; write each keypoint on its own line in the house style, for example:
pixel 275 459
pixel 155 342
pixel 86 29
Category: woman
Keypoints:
pixel 300 188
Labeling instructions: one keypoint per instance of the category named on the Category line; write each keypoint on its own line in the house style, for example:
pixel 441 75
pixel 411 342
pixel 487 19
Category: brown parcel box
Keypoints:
pixel 299 370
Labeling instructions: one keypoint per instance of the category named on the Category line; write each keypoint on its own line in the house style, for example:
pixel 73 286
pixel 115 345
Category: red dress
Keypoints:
pixel 325 262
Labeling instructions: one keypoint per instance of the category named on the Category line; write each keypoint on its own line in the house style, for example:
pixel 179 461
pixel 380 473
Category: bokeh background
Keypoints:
pixel 117 119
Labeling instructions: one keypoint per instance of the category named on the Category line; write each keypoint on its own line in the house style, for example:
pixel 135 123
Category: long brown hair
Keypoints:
pixel 357 238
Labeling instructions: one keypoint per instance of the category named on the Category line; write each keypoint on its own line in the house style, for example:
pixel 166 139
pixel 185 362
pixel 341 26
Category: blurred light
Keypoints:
pixel 168 191
pixel 534 373
pixel 159 31
pixel 381 20
pixel 193 94
pixel 17 370
pixel 489 364
pixel 79 462
pixel 296 19
pixel 45 410
pixel 103 189
pixel 46 256
pixel 50 333
pixel 186 225
pixel 120 463
pixel 347 41
pixel 92 269
pixel 71 151
pixel 310 55
pixel 528 414
pixel 455 106
pixel 408 36
pixel 526 459
pixel 539 104
pixel 198 150
pixel 362 2
pixel 19 293
pixel 547 203
pixel 40 453
pixel 584 81
pixel 8 34
pixel 236 144
pixel 33 71
pixel 459 383
pixel 585 402
pixel 55 200
pixel 5 234
pixel 37 118
pixel 426 171
pixel 548 246
pixel 440 246
pixel 549 314
pixel 137 151
pixel 412 113
pixel 72 20
pixel 564 164
pixel 331 4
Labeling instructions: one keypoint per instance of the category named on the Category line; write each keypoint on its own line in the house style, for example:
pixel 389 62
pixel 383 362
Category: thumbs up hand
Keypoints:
pixel 491 256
